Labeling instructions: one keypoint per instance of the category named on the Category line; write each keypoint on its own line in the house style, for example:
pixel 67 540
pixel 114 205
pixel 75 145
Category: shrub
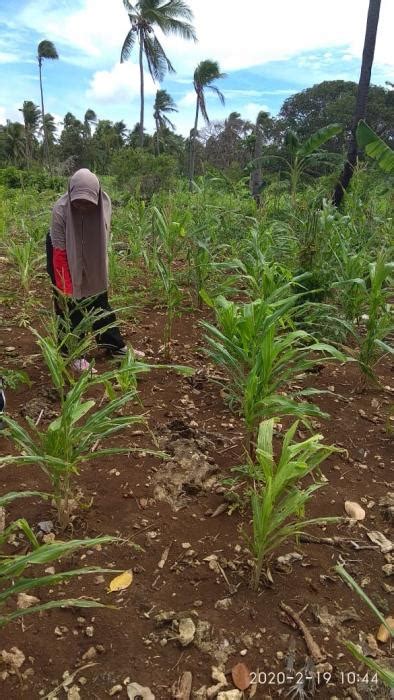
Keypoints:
pixel 144 173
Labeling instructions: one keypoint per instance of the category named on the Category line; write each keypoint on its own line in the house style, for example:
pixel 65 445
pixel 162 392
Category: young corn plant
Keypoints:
pixel 262 354
pixel 277 499
pixel 66 443
pixel 16 579
pixel 373 340
pixel 380 316
pixel 171 235
pixel 126 374
pixel 26 256
pixel 66 342
pixel 385 674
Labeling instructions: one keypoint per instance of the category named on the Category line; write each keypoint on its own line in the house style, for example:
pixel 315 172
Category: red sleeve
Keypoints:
pixel 62 272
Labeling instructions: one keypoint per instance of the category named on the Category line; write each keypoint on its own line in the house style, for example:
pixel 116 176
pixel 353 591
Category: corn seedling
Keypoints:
pixel 261 353
pixel 126 374
pixel 15 578
pixel 385 674
pixel 14 377
pixel 171 236
pixel 67 441
pixel 378 315
pixel 277 499
pixel 69 337
pixel 27 258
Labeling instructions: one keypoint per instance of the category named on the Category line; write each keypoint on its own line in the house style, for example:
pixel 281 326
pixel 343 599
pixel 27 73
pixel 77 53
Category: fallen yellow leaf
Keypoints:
pixel 383 634
pixel 119 583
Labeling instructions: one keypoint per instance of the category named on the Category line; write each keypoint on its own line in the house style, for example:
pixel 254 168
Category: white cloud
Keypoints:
pixel 261 32
pixel 119 84
pixel 251 110
pixel 6 57
pixel 187 100
pixel 11 113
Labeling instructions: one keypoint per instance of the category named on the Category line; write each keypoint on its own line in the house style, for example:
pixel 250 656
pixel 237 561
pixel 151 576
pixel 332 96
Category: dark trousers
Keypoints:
pixel 110 338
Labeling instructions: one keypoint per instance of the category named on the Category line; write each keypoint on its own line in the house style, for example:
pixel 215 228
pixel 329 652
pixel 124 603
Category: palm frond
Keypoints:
pixel 158 63
pixel 128 46
pixel 217 92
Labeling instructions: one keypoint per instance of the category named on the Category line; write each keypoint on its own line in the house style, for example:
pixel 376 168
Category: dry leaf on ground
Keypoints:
pixel 383 634
pixel 119 583
pixel 241 676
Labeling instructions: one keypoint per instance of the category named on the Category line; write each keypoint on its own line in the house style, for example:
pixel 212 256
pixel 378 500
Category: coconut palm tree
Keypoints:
pixel 255 176
pixel 15 142
pixel 162 106
pixel 362 98
pixel 31 120
pixel 50 128
pixel 204 76
pixel 171 17
pixel 89 119
pixel 46 50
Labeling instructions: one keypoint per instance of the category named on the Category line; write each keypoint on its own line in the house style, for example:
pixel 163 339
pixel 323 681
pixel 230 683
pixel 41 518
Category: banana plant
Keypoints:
pixel 302 155
pixel 375 147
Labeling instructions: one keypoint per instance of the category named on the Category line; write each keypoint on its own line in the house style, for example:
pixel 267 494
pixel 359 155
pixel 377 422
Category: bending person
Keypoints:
pixel 77 257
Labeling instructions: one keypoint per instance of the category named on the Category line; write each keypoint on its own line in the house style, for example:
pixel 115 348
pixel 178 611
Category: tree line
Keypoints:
pixel 230 145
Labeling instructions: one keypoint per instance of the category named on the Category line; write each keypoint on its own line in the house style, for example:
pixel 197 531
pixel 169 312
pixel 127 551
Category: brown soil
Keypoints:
pixel 157 505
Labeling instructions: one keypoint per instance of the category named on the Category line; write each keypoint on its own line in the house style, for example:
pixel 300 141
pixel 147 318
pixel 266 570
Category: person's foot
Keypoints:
pixel 81 365
pixel 121 352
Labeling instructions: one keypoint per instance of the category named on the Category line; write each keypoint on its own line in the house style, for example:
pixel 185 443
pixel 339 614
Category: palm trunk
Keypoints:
pixel 45 143
pixel 157 137
pixel 255 178
pixel 141 91
pixel 362 98
pixel 192 147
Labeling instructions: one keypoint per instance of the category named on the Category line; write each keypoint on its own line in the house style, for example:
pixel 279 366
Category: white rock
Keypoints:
pixel 187 630
pixel 73 693
pixel 354 510
pixel 26 601
pixel 135 690
pixel 230 695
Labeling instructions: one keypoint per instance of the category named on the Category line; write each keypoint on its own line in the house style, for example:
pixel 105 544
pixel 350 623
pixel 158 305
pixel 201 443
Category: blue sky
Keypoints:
pixel 269 49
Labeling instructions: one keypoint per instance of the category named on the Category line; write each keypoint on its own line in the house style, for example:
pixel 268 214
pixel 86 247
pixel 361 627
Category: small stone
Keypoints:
pixel 91 653
pixel 243 652
pixel 115 690
pixel 73 693
pixel 223 604
pixel 26 601
pixel 323 668
pixel 388 569
pixel 354 510
pixel 279 654
pixel 187 630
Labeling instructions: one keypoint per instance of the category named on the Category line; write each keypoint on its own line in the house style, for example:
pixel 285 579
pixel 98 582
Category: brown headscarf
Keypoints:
pixel 84 235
